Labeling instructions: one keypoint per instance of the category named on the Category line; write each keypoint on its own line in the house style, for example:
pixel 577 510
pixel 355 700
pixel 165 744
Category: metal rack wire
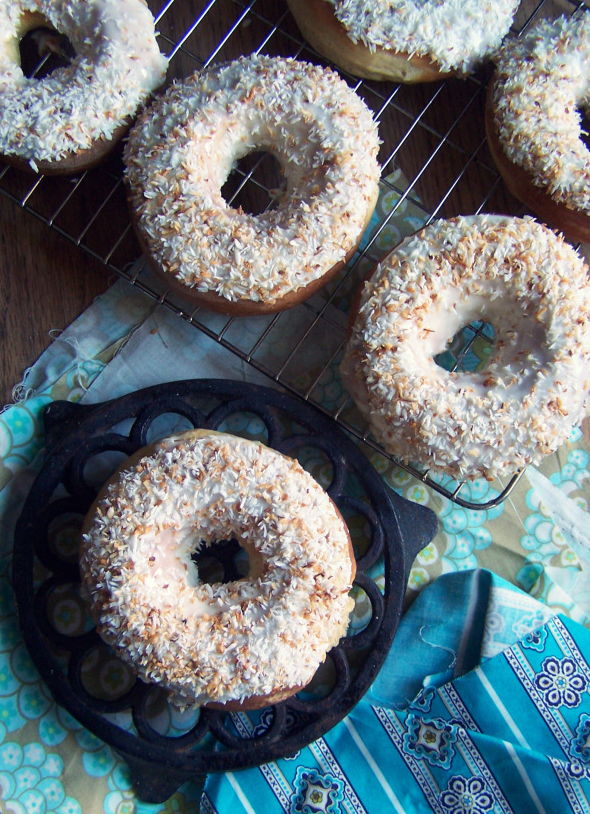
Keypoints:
pixel 435 164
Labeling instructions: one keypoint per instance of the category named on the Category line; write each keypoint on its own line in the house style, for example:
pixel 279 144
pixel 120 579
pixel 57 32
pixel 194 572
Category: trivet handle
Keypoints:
pixel 155 782
pixel 418 525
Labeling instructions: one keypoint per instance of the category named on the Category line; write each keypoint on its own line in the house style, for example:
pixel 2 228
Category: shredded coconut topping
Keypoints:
pixel 542 79
pixel 182 150
pixel 513 273
pixel 117 66
pixel 218 642
pixel 454 33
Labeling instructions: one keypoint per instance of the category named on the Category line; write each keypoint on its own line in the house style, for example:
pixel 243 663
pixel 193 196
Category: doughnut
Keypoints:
pixel 242 644
pixel 533 123
pixel 513 273
pixel 182 149
pixel 69 120
pixel 404 40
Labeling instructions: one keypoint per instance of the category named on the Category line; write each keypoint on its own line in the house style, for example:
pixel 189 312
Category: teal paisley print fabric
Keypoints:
pixel 512 735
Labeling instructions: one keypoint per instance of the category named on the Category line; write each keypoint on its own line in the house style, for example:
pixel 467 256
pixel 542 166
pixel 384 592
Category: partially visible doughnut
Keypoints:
pixel 532 287
pixel 243 644
pixel 533 124
pixel 69 120
pixel 404 40
pixel 181 151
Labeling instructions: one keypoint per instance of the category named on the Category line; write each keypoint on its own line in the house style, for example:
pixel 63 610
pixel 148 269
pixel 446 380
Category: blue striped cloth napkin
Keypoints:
pixel 480 735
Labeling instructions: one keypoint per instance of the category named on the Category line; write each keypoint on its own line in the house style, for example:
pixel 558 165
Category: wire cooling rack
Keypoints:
pixel 435 164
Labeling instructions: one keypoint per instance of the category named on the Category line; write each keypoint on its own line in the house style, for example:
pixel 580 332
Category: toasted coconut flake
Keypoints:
pixel 541 80
pixel 454 33
pixel 227 641
pixel 182 149
pixel 117 66
pixel 532 287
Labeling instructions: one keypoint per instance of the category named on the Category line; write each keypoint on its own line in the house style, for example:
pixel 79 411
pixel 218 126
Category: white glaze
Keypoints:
pixel 541 80
pixel 229 641
pixel 532 287
pixel 181 151
pixel 117 65
pixel 454 33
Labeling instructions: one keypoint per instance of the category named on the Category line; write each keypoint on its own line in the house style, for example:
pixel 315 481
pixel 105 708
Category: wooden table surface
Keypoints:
pixel 45 283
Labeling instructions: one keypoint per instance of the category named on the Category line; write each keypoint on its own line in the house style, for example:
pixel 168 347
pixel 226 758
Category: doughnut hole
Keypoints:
pixel 222 561
pixel 585 123
pixel 508 348
pixel 255 183
pixel 469 348
pixel 42 49
pixel 218 561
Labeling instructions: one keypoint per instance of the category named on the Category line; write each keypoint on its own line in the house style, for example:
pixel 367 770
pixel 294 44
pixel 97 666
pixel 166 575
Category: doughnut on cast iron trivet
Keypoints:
pixel 398 530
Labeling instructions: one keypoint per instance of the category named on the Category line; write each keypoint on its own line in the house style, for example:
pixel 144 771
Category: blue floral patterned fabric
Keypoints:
pixel 510 735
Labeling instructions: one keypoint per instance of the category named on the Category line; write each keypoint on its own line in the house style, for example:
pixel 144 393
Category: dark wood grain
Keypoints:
pixel 45 283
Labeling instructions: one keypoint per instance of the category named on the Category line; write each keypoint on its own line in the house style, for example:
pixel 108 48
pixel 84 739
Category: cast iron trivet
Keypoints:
pixel 218 741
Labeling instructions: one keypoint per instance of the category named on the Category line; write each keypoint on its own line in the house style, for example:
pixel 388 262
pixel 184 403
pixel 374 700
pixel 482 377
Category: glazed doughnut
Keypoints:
pixel 182 149
pixel 513 273
pixel 404 40
pixel 533 123
pixel 69 120
pixel 245 643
